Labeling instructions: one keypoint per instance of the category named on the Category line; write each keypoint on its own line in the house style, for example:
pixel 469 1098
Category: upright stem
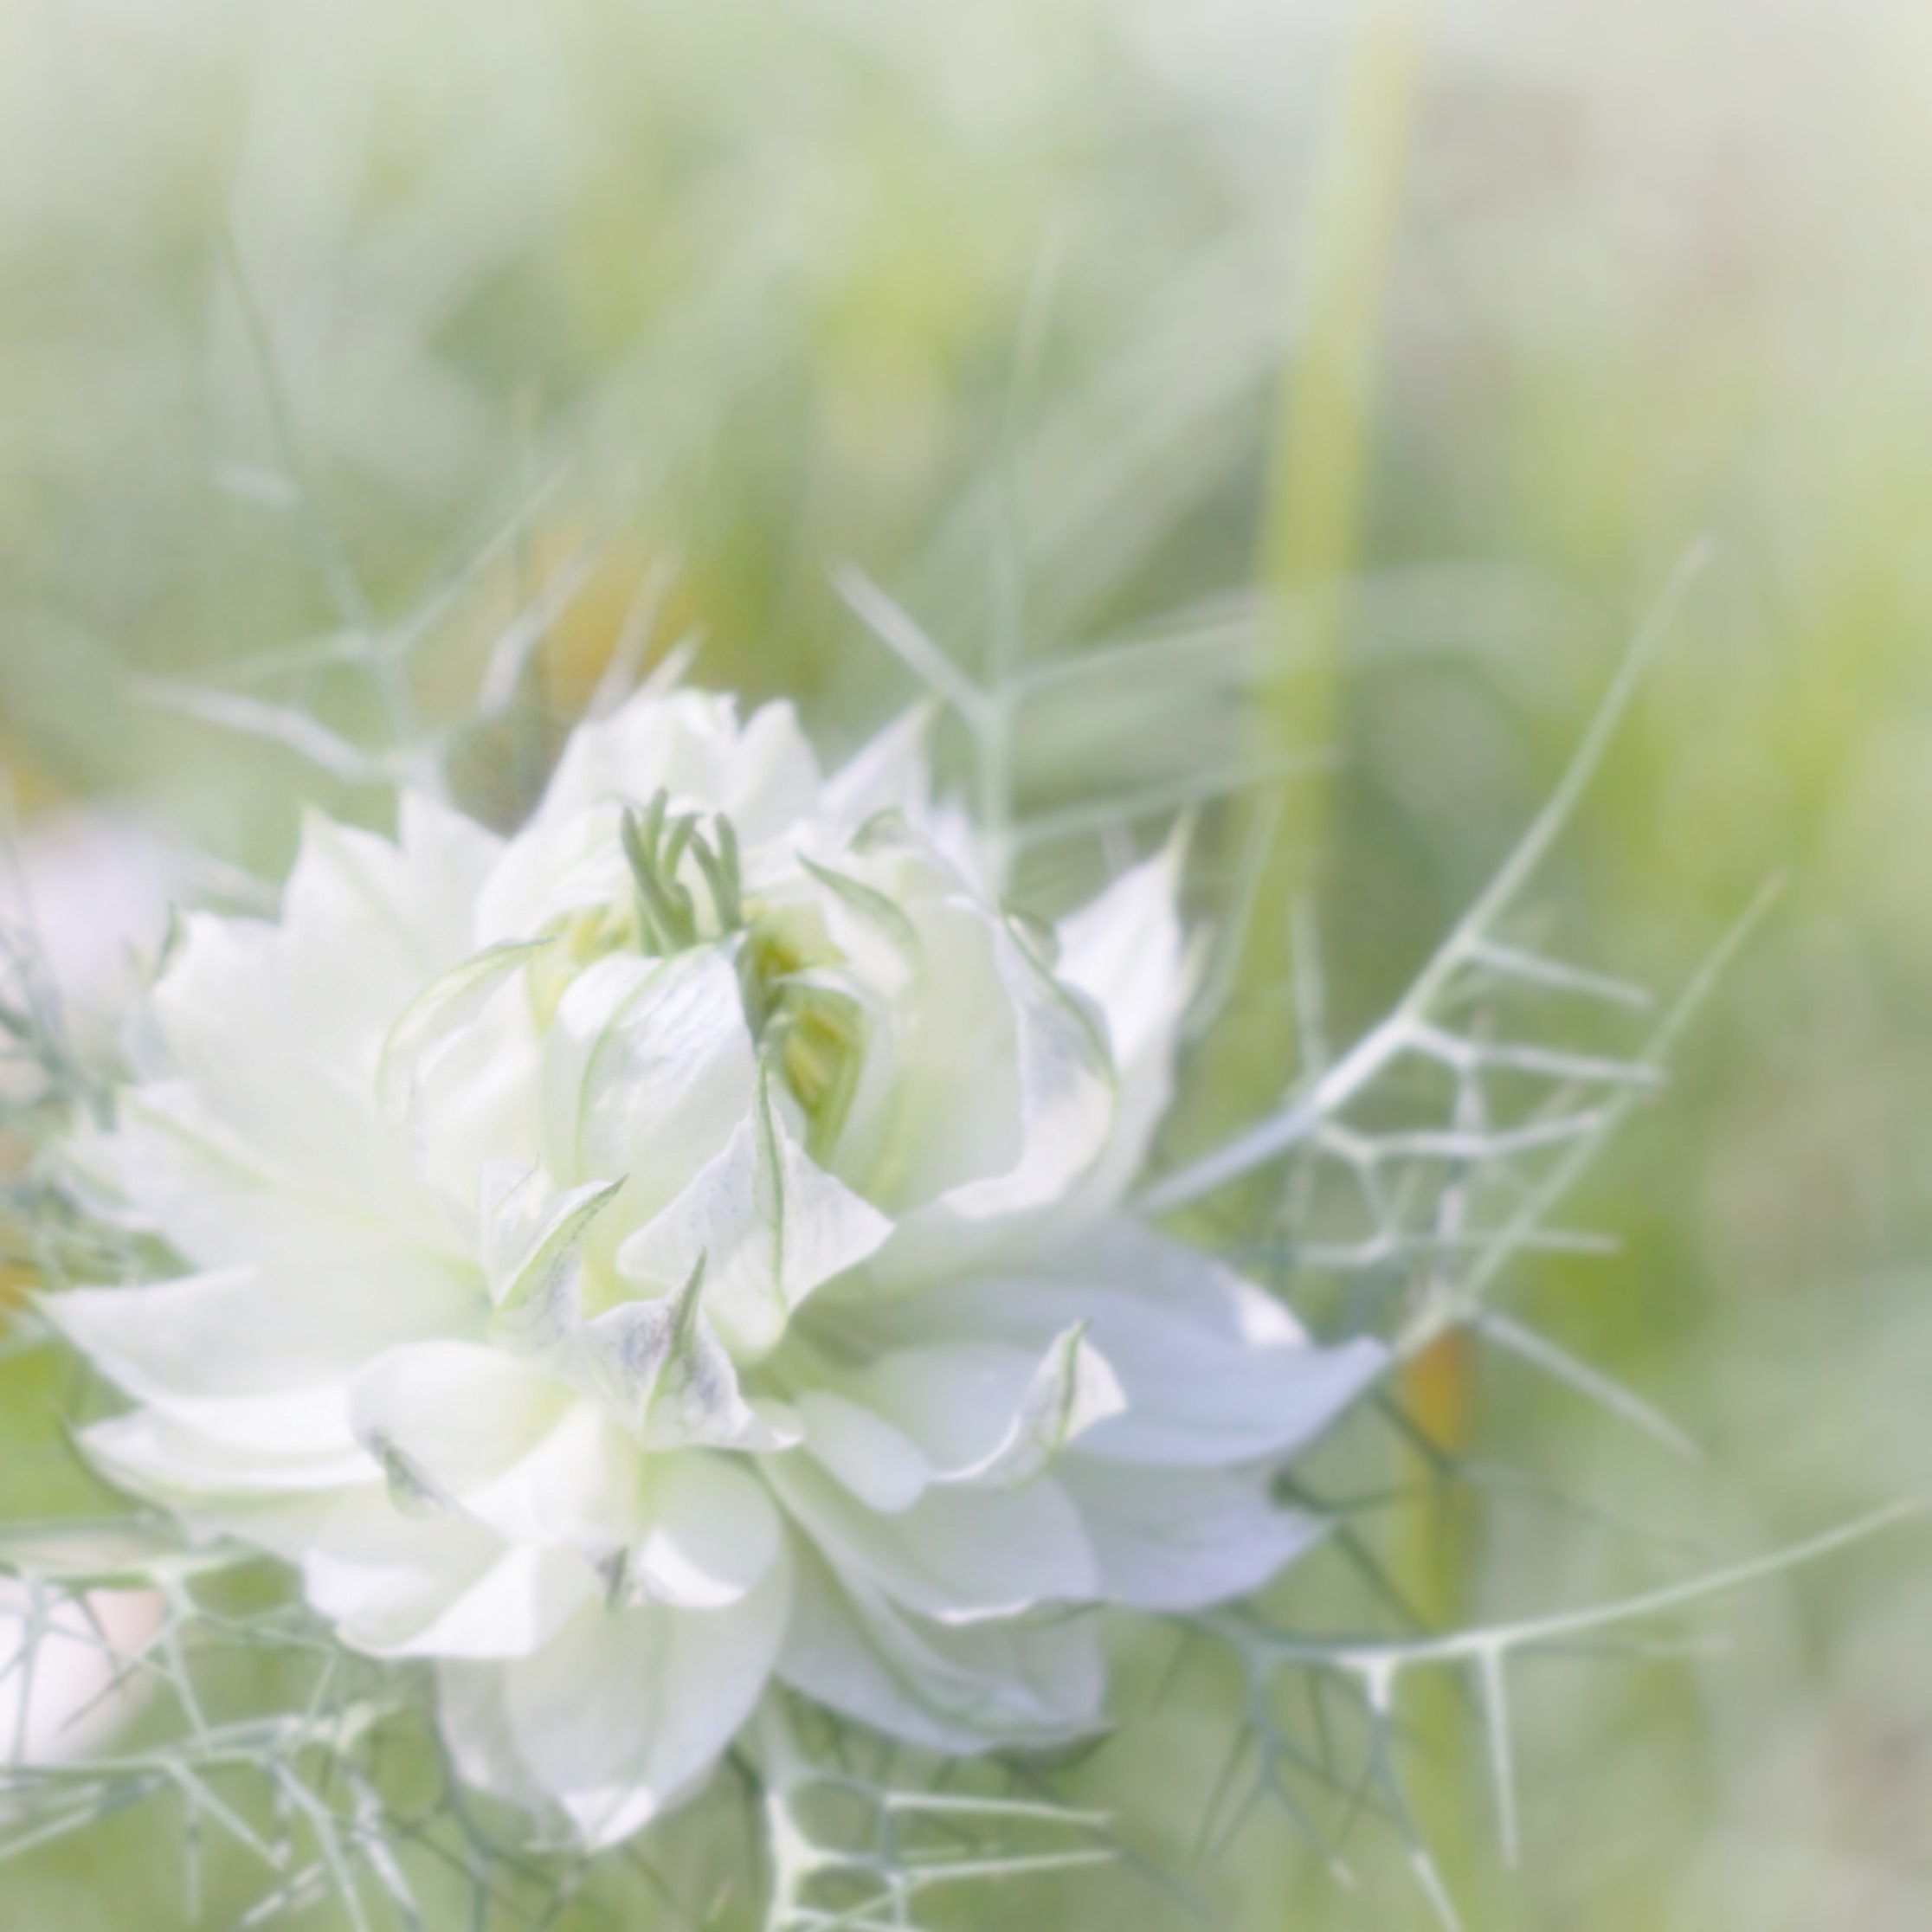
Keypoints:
pixel 1309 533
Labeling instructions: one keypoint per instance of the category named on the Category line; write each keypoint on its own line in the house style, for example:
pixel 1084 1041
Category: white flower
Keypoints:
pixel 67 1677
pixel 682 1246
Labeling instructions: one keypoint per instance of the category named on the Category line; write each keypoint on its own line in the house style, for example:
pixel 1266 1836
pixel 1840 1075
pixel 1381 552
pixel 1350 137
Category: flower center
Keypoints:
pixel 814 1030
pixel 687 890
pixel 669 910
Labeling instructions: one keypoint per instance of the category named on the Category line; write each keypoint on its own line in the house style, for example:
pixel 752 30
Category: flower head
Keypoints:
pixel 683 1246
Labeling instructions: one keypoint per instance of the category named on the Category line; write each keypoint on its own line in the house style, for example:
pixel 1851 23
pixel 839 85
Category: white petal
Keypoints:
pixel 396 1583
pixel 470 1429
pixel 561 865
pixel 956 1107
pixel 457 1078
pixel 175 1461
pixel 512 1609
pixel 529 1229
pixel 767 1224
pixel 1214 1370
pixel 1072 1390
pixel 623 1715
pixel 1174 1539
pixel 661 1373
pixel 957 1554
pixel 1125 951
pixel 688 744
pixel 881 1465
pixel 951 1689
pixel 983 1412
pixel 251 1359
pixel 648 1067
pixel 408 903
pixel 1034 1057
pixel 252 1013
pixel 1066 1090
pixel 710 1534
pixel 446 860
pixel 580 1486
pixel 890 773
pixel 171 1166
pixel 458 1412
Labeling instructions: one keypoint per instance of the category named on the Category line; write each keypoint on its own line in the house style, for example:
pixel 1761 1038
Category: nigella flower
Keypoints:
pixel 682 1247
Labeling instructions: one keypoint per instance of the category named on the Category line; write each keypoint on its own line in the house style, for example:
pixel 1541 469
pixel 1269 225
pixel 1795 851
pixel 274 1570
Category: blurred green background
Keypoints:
pixel 1370 366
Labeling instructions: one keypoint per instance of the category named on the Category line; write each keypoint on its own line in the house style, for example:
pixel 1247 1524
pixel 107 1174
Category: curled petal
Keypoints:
pixel 530 1232
pixel 767 1223
pixel 474 1431
pixel 974 1414
pixel 660 1369
pixel 1213 1370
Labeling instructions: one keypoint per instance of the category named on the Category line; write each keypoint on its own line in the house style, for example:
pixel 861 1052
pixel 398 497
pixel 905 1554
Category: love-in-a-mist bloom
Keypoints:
pixel 683 1247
